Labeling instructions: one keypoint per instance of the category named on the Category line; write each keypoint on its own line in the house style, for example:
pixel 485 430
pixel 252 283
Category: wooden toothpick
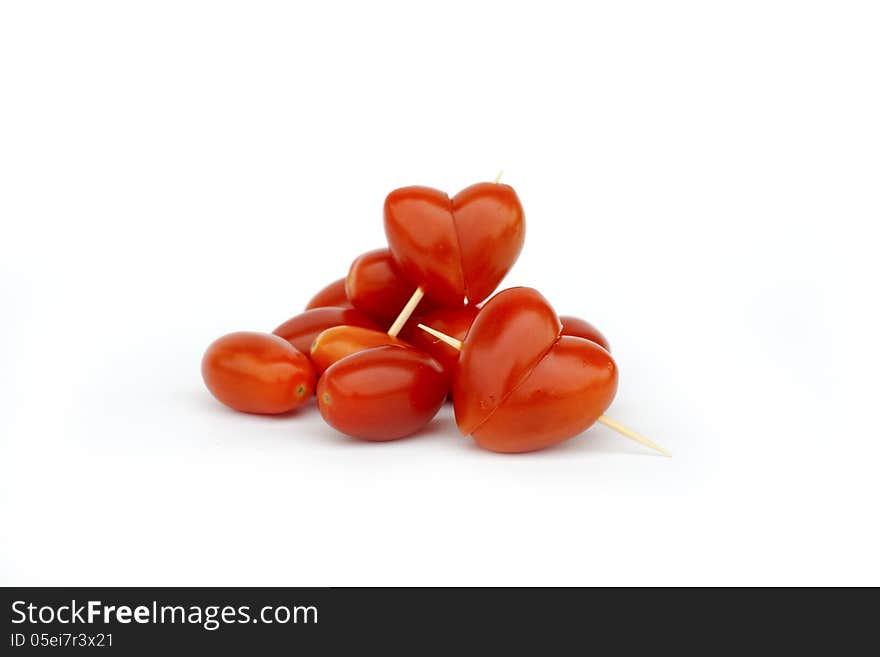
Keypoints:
pixel 407 311
pixel 632 435
pixel 448 339
pixel 604 419
pixel 498 177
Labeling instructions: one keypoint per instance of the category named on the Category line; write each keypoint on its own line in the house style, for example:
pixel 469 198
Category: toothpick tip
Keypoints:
pixel 632 435
pixel 448 339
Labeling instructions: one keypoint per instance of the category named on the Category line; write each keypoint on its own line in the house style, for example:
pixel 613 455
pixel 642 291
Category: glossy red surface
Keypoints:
pixel 332 295
pixel 520 384
pixel 340 341
pixel 257 373
pixel 421 235
pixel 455 248
pixel 302 329
pixel 383 393
pixel 514 329
pixel 454 322
pixel 581 328
pixel 566 392
pixel 376 286
pixel 491 228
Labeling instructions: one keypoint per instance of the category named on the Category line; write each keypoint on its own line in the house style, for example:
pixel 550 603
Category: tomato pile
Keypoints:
pixel 416 323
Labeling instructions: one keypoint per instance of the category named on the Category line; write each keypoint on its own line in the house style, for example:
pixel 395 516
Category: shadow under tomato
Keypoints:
pixel 442 426
pixel 592 440
pixel 207 402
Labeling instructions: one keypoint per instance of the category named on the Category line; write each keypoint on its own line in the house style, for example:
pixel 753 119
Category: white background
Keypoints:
pixel 700 180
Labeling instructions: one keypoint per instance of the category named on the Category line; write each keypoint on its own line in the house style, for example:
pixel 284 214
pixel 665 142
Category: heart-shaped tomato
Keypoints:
pixel 456 322
pixel 491 229
pixel 509 336
pixel 520 385
pixel 455 248
pixel 566 392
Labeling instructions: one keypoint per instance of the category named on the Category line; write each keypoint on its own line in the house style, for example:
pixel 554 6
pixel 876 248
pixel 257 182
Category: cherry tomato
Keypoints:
pixel 500 352
pixel 257 373
pixel 301 331
pixel 454 322
pixel 383 393
pixel 376 287
pixel 491 229
pixel 421 235
pixel 458 248
pixel 564 394
pixel 519 384
pixel 583 329
pixel 340 341
pixel 332 295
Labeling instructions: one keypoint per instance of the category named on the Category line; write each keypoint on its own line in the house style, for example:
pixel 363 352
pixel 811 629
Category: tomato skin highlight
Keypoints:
pixel 566 392
pixel 338 342
pixel 382 393
pixel 257 373
pixel 301 330
pixel 581 328
pixel 331 295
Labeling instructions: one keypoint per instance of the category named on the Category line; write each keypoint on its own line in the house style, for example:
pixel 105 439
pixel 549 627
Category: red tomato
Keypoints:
pixel 491 229
pixel 257 373
pixel 455 248
pixel 383 393
pixel 564 394
pixel 376 287
pixel 454 322
pixel 421 235
pixel 520 385
pixel 499 352
pixel 301 331
pixel 583 329
pixel 340 341
pixel 332 295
